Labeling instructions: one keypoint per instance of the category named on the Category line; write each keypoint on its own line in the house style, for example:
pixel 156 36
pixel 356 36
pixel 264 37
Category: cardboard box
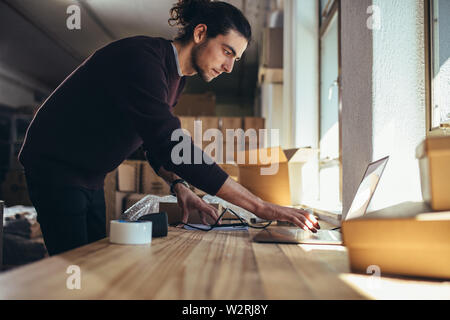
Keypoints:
pixel 434 162
pixel 110 197
pixel 206 124
pixel 131 199
pixel 405 244
pixel 245 124
pixel 175 213
pixel 275 175
pixel 188 124
pixel 257 124
pixel 128 176
pixel 151 183
pixel 231 169
pixel 272 56
pixel 196 105
pixel 230 123
pixel 120 204
pixel 254 123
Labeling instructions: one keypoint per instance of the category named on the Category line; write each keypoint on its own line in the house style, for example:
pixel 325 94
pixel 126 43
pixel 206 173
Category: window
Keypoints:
pixel 438 66
pixel 330 169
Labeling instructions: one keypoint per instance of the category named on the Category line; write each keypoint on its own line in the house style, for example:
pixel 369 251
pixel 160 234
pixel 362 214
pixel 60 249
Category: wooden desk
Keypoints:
pixel 192 265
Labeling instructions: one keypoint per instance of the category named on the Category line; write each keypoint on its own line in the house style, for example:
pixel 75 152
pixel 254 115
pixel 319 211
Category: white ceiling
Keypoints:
pixel 35 40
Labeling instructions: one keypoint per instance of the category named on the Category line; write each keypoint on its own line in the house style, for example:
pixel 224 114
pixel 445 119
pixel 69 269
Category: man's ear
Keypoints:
pixel 200 33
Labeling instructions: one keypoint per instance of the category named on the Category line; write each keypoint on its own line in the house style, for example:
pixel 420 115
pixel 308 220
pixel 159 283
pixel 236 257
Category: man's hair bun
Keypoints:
pixel 219 17
pixel 184 12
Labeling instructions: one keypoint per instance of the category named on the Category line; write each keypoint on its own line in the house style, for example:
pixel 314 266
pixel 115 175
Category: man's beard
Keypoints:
pixel 194 58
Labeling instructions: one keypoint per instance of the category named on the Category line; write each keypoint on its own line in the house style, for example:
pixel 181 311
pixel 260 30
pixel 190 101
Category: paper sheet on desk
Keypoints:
pixel 228 228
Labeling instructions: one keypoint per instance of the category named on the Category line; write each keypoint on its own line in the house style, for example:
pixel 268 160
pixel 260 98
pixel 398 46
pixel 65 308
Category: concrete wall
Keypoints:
pixel 383 97
pixel 356 95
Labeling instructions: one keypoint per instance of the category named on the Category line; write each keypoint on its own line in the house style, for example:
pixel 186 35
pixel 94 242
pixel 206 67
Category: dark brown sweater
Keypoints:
pixel 120 98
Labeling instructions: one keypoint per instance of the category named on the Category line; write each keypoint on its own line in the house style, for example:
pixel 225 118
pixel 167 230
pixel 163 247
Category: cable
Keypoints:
pixel 216 224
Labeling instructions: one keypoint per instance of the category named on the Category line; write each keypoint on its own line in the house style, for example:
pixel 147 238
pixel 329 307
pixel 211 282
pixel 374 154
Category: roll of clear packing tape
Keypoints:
pixel 130 232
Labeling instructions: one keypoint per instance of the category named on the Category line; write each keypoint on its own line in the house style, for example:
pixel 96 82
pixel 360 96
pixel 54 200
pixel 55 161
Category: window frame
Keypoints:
pixel 324 24
pixel 429 72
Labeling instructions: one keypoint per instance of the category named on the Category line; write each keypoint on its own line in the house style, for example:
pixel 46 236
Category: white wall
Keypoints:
pixel 383 97
pixel 306 84
pixel 398 110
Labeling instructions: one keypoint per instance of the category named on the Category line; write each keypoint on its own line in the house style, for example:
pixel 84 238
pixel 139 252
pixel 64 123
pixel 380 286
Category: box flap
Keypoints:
pixel 433 145
pixel 300 154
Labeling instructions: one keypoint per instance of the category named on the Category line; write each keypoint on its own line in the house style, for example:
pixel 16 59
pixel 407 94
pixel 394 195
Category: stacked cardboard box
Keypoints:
pixel 130 182
pixel 249 125
pixel 406 239
pixel 231 124
pixel 137 176
pixel 196 105
pixel 434 158
pixel 134 179
pixel 151 183
pixel 278 176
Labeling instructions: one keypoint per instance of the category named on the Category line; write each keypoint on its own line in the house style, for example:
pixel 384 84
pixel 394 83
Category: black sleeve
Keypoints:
pixel 144 92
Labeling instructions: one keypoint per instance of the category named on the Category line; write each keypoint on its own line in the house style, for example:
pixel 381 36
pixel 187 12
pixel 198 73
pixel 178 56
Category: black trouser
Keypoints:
pixel 69 216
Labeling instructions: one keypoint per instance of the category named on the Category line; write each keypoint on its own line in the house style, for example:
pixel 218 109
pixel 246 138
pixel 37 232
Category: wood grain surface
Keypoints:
pixel 188 265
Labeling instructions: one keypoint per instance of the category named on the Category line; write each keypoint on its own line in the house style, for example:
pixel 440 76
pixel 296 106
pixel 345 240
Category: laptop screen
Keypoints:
pixel 366 189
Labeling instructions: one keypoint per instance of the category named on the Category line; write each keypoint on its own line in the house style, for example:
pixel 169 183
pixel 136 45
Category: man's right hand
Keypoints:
pixel 299 217
pixel 235 193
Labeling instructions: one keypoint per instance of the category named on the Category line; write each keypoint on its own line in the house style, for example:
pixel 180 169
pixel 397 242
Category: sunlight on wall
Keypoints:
pixel 398 99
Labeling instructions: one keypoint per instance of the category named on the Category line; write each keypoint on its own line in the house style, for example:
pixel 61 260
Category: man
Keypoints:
pixel 122 97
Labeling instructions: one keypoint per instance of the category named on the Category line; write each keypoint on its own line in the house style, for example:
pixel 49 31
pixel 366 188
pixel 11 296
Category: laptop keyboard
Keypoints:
pixel 327 235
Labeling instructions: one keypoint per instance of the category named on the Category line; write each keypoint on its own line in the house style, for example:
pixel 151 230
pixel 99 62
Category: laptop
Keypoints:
pixel 360 203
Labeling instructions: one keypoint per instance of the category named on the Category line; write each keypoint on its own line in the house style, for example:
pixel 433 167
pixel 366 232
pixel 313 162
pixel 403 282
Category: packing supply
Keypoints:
pixel 130 232
pixel 399 240
pixel 151 183
pixel 168 204
pixel 148 204
pixel 196 105
pixel 128 176
pixel 204 124
pixel 187 123
pixel 283 177
pixel 256 123
pixel 131 199
pixel 433 155
pixel 159 223
pixel 175 214
pixel 137 176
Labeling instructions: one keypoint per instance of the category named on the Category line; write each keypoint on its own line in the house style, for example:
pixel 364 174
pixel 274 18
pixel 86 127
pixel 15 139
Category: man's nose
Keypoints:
pixel 228 66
